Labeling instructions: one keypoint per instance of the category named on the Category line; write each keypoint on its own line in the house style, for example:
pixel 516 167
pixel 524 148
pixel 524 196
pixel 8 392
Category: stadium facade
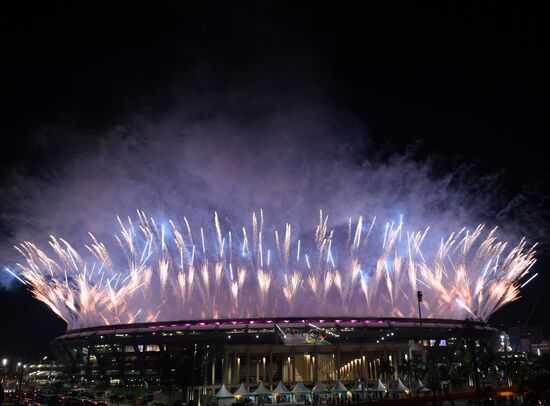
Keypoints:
pixel 201 355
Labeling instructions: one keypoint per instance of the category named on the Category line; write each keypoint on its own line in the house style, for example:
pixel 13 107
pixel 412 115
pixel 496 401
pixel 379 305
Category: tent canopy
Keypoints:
pixel 340 387
pixel 400 387
pixel 320 388
pixel 420 387
pixel 261 390
pixel 357 387
pixel 242 391
pixel 299 389
pixel 379 387
pixel 223 393
pixel 281 389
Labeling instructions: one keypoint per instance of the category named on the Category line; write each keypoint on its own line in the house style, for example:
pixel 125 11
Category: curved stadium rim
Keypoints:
pixel 294 321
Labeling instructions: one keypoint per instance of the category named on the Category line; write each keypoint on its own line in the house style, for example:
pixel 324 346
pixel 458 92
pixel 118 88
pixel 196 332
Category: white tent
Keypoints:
pixel 379 387
pixel 223 393
pixel 418 386
pixel 242 391
pixel 357 387
pixel 400 387
pixel 224 397
pixel 340 388
pixel 320 388
pixel 300 389
pixel 281 389
pixel 261 390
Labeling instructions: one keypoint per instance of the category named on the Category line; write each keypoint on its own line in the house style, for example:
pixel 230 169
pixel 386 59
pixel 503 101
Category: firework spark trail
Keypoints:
pixel 158 273
pixel 290 288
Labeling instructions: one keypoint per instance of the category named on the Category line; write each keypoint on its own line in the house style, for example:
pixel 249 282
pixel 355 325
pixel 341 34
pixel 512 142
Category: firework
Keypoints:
pixel 162 272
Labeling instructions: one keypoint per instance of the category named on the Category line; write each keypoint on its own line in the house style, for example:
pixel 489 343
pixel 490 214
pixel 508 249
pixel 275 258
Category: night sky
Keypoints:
pixel 456 83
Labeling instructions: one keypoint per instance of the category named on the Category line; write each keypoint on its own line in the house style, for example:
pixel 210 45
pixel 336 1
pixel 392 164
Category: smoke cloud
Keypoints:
pixel 235 159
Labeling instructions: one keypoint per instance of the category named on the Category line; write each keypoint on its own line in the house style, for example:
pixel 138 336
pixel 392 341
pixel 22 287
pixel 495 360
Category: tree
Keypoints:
pixel 538 384
pixel 490 362
pixel 516 367
pixel 406 370
pixel 419 370
pixel 541 365
pixel 385 369
pixel 459 372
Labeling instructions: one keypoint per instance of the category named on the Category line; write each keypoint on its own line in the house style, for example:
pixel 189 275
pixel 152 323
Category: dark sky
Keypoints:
pixel 462 82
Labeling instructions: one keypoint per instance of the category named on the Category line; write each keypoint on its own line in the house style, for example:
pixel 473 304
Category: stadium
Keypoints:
pixel 269 307
pixel 200 356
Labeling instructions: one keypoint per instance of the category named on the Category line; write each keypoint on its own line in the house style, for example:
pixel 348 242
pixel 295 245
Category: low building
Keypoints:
pixel 540 348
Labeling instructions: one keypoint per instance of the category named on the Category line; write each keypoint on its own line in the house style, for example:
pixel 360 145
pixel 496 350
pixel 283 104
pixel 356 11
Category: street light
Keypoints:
pixel 4 363
pixel 419 298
